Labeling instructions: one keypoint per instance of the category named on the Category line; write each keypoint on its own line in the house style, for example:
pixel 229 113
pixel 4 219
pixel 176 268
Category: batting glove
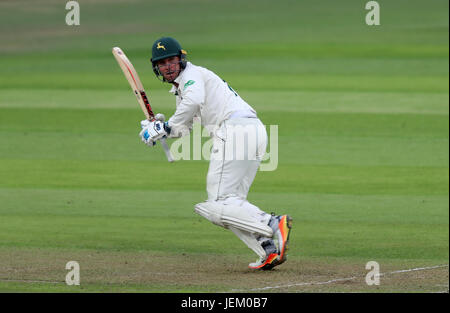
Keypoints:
pixel 152 131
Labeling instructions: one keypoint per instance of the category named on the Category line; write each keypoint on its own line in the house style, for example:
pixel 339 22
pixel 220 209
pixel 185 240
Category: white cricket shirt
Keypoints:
pixel 202 93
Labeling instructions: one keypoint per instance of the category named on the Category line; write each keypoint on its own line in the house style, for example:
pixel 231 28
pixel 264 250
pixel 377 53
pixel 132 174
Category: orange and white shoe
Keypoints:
pixel 271 259
pixel 282 226
pixel 265 264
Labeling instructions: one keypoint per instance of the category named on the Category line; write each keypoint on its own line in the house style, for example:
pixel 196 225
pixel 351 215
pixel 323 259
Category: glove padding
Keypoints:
pixel 152 131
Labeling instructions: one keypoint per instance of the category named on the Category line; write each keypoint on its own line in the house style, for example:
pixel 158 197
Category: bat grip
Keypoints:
pixel 166 149
pixel 151 117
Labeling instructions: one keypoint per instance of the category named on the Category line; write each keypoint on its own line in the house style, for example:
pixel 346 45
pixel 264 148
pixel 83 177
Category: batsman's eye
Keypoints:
pixel 169 62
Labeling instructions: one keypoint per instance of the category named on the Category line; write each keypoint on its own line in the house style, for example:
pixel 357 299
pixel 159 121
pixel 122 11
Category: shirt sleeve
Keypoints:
pixel 193 96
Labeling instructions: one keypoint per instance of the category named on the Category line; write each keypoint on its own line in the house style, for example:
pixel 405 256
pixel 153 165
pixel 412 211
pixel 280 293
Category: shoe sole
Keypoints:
pixel 285 227
pixel 268 264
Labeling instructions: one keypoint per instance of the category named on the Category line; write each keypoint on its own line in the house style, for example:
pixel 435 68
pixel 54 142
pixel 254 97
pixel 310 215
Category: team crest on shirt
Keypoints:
pixel 189 83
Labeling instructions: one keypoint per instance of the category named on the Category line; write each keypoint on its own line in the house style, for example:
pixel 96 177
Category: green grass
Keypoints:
pixel 362 115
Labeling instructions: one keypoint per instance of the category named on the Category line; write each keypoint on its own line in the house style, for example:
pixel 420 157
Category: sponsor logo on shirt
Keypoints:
pixel 190 82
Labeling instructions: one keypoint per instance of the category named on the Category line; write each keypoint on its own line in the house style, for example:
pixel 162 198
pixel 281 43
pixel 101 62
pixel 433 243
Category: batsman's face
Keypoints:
pixel 170 68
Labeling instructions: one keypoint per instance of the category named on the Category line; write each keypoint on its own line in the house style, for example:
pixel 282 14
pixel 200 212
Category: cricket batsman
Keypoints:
pixel 239 144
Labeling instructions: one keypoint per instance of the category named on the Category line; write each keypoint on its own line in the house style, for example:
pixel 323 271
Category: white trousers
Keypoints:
pixel 239 145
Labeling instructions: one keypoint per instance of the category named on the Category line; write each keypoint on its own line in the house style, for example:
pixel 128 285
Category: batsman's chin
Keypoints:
pixel 170 77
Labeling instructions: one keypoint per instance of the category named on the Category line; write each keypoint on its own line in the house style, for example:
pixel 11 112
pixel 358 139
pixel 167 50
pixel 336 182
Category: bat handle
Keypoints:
pixel 163 141
pixel 166 149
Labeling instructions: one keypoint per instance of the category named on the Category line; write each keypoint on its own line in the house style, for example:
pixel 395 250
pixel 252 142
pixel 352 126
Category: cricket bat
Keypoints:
pixel 138 89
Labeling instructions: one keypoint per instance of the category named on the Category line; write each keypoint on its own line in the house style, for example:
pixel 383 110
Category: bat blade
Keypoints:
pixel 135 82
pixel 136 85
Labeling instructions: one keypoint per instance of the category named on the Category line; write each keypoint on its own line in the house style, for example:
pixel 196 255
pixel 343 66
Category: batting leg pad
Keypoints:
pixel 226 215
pixel 250 240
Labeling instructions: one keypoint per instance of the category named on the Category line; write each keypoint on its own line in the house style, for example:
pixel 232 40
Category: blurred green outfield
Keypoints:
pixel 362 113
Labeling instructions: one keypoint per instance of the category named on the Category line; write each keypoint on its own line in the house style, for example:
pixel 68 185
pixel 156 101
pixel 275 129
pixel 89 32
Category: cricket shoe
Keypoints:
pixel 272 257
pixel 281 225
